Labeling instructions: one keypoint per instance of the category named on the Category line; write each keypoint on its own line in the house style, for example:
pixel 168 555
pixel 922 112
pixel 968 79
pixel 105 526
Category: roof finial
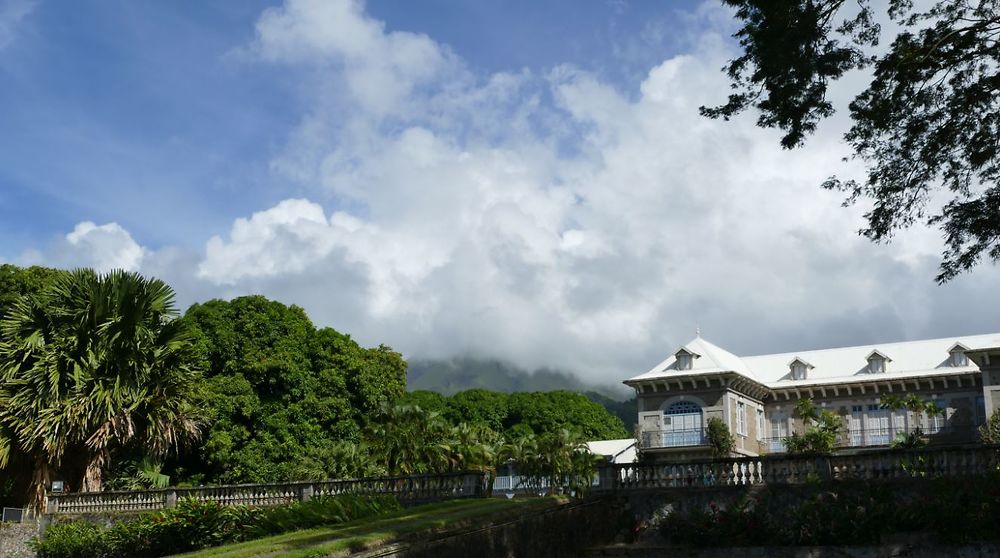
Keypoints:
pixel 697 332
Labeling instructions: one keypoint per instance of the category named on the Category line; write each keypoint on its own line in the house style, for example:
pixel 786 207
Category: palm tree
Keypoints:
pixel 91 364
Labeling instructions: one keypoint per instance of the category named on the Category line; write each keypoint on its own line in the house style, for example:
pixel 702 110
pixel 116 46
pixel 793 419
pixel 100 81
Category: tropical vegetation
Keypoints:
pixel 194 525
pixel 92 365
pixel 821 427
pixel 104 384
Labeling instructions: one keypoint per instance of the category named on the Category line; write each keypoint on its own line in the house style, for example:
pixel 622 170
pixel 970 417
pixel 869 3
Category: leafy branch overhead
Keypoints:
pixel 927 123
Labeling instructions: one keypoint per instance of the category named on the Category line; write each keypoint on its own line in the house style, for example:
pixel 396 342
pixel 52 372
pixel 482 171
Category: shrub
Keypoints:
pixel 193 525
pixel 989 433
pixel 720 438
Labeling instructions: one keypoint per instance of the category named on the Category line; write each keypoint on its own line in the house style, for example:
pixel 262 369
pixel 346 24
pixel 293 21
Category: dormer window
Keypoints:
pixel 877 362
pixel 799 368
pixel 684 361
pixel 958 357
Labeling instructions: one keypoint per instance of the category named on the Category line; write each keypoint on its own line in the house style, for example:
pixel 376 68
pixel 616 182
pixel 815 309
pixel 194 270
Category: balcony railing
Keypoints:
pixel 881 437
pixel 673 438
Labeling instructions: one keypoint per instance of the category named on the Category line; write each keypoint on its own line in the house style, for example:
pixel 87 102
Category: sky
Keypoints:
pixel 522 180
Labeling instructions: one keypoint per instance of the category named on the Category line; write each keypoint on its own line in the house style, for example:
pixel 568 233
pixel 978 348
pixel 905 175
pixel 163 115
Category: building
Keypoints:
pixel 614 451
pixel 756 396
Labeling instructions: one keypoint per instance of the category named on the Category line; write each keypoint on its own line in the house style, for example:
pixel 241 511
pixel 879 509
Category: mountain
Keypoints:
pixel 449 376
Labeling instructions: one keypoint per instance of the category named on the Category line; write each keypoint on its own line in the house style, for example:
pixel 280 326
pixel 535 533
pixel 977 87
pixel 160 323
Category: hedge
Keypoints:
pixel 193 525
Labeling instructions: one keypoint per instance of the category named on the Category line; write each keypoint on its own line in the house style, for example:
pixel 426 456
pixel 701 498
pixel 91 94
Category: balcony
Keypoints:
pixel 882 437
pixel 652 439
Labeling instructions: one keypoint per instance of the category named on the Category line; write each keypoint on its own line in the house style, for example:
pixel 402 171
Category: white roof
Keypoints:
pixel 906 359
pixel 621 451
pixel 711 359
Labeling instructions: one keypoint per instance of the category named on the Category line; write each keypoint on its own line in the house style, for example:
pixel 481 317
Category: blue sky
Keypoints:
pixel 524 180
pixel 137 112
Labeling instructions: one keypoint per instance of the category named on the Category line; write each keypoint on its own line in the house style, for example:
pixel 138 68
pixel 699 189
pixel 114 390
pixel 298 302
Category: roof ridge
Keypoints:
pixel 874 345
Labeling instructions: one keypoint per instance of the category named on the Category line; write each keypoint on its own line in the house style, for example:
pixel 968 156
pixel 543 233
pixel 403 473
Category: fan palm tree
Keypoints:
pixel 93 363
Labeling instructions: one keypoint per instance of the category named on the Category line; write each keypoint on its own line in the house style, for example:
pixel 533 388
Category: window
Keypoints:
pixel 684 361
pixel 855 425
pixel 877 428
pixel 936 423
pixel 798 371
pixel 779 431
pixel 760 424
pixel 876 365
pixel 958 358
pixel 741 418
pixel 980 410
pixel 682 425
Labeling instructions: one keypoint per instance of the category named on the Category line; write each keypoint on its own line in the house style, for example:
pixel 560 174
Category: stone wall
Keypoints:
pixel 564 530
pixel 14 539
pixel 907 550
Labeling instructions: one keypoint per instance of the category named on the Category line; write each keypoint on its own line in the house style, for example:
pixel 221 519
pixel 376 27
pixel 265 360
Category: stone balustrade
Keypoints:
pixel 417 488
pixel 797 469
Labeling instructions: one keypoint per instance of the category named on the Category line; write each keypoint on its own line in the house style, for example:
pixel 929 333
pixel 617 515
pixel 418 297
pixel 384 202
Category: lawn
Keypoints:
pixel 368 533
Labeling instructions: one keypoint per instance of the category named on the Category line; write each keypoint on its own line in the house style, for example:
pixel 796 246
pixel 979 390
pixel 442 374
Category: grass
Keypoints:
pixel 367 533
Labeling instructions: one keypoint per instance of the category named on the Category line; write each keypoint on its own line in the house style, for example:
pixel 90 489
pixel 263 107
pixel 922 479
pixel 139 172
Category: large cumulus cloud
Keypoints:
pixel 554 219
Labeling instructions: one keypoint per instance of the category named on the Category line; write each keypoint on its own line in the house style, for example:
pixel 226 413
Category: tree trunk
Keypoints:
pixel 92 474
pixel 40 480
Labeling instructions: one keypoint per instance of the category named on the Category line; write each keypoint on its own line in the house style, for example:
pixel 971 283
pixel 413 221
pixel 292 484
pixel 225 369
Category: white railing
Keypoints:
pixel 406 489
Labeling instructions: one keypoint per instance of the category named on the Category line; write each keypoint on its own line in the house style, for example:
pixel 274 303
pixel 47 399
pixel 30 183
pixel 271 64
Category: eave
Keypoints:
pixel 674 383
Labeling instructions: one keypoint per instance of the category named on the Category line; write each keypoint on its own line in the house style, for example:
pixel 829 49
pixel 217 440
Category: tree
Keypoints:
pixel 914 404
pixel 928 121
pixel 720 438
pixel 542 412
pixel 989 433
pixel 284 397
pixel 480 406
pixel 90 365
pixel 16 282
pixel 428 400
pixel 820 434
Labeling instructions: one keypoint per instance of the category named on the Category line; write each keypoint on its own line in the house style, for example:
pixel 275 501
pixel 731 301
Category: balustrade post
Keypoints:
pixel 170 499
pixel 305 492
pixel 606 476
pixel 52 504
pixel 823 468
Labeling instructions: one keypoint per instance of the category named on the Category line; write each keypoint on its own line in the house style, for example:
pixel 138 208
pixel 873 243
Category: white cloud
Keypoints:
pixel 103 247
pixel 551 220
pixel 12 13
pixel 590 232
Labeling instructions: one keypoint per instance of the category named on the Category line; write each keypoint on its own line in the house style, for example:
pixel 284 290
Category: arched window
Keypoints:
pixel 682 425
pixel 683 408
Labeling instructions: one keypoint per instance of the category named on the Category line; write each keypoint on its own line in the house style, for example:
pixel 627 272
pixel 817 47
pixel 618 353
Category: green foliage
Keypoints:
pixel 480 406
pixel 542 412
pixel 138 474
pixel 627 410
pixel 193 525
pixel 427 400
pixel 720 438
pixel 16 282
pixel 927 121
pixel 89 366
pixel 820 435
pixel 913 403
pixel 989 433
pixel 559 457
pixel 287 400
